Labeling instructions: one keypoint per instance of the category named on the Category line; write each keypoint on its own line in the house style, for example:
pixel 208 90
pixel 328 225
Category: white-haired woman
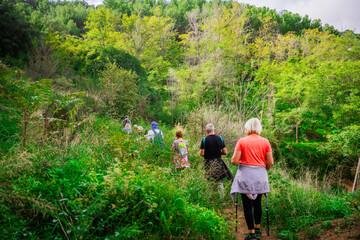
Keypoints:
pixel 254 155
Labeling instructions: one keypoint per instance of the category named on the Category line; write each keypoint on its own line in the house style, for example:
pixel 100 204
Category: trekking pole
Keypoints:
pixel 267 215
pixel 236 216
pixel 236 204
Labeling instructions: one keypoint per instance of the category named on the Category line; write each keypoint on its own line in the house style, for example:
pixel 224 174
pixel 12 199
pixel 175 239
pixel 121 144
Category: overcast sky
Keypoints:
pixel 342 14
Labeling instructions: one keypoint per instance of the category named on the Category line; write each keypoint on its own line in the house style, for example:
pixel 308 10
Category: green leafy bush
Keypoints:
pixel 97 61
pixel 118 90
pixel 304 155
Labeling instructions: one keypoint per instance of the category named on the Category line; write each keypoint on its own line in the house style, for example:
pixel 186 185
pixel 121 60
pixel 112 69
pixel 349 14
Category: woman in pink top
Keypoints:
pixel 251 180
pixel 181 149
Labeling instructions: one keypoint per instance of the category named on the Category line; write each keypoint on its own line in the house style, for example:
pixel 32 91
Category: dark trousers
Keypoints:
pixel 252 210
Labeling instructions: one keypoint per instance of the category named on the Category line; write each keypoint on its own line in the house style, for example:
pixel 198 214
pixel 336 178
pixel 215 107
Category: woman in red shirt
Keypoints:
pixel 251 181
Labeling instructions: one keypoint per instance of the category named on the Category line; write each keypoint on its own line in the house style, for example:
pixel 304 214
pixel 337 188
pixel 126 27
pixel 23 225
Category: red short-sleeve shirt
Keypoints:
pixel 253 149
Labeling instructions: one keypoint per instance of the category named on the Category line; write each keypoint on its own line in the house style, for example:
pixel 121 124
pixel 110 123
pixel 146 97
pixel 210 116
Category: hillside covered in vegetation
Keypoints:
pixel 70 72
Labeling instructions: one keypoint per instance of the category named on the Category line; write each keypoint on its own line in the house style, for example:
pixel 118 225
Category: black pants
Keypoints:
pixel 252 210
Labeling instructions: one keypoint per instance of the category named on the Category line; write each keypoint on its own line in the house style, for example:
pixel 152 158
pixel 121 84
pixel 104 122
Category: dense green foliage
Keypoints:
pixel 94 182
pixel 16 31
pixel 70 71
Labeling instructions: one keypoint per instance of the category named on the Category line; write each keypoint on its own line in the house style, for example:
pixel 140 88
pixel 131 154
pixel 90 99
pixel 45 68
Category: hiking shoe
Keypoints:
pixel 258 232
pixel 251 236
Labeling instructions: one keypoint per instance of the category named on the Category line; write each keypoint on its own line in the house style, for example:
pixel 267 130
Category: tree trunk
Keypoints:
pixel 356 180
pixel 271 107
pixel 217 94
pixel 297 131
pixel 44 134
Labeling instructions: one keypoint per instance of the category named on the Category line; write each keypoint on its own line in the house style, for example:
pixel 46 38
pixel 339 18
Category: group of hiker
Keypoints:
pixel 252 156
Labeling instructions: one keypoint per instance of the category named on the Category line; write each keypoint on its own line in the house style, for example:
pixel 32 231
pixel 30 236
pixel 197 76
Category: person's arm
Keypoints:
pixel 223 147
pixel 269 160
pixel 148 136
pixel 223 151
pixel 236 157
pixel 202 147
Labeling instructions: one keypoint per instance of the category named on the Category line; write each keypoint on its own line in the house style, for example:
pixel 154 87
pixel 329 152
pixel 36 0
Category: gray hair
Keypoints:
pixel 210 127
pixel 253 126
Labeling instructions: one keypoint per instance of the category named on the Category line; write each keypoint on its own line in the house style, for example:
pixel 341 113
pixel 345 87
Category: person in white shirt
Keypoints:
pixel 154 132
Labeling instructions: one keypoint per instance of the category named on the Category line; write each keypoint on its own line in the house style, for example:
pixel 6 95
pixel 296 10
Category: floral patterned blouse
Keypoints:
pixel 180 161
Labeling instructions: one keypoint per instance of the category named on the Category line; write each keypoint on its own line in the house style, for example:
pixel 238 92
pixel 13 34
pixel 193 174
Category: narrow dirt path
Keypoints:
pixel 229 215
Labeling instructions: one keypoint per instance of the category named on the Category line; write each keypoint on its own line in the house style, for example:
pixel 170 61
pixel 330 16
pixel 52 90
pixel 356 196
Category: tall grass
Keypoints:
pixel 297 205
pixel 96 182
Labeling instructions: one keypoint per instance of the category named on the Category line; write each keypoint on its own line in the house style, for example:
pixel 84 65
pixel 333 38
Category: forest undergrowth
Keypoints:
pixel 69 71
pixel 96 182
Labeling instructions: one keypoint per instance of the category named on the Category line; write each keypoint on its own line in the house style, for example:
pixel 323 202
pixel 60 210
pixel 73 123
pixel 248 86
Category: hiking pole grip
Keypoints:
pixel 267 215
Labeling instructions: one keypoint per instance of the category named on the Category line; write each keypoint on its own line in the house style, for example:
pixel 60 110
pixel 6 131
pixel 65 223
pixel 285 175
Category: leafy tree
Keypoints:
pixel 255 14
pixel 151 40
pixel 214 48
pixel 143 7
pixel 118 90
pixel 293 22
pixel 9 127
pixel 120 7
pixel 344 149
pixel 97 61
pixel 263 44
pixel 90 53
pixel 178 10
pixel 68 18
pixel 286 21
pixel 16 33
pixel 22 99
pixel 101 26
pixel 65 17
pixel 315 78
pixel 25 102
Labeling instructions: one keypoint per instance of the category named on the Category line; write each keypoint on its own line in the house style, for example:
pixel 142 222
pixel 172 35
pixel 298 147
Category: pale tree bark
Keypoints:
pixel 249 103
pixel 357 178
pixel 195 21
pixel 172 91
pixel 44 133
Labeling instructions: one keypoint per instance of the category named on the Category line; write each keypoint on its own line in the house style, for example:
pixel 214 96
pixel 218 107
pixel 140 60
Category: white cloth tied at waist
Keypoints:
pixel 250 180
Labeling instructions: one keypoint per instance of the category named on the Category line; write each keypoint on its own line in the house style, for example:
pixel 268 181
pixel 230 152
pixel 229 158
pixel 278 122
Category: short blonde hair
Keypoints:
pixel 253 125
